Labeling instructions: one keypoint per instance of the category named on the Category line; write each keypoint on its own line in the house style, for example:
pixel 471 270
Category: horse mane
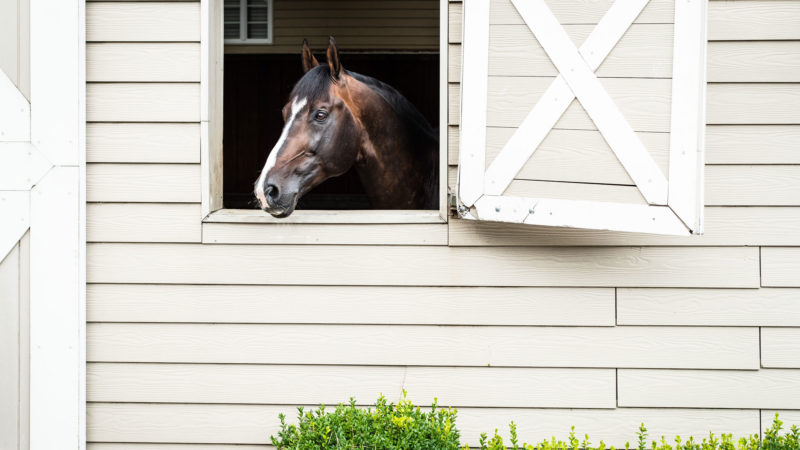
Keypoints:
pixel 315 83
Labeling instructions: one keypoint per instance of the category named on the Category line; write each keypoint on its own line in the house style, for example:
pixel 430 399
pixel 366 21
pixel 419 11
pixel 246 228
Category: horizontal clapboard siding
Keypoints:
pixel 261 384
pixel 143 21
pixel 143 62
pixel 657 347
pixel 779 266
pixel 143 102
pixel 322 234
pixel 252 424
pixel 436 266
pixel 178 183
pixel 350 304
pixel 143 142
pixel 142 222
pixel 768 307
pixel 765 388
pixel 780 347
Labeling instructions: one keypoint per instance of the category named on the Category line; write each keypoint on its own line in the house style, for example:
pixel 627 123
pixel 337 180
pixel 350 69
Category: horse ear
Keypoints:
pixel 309 61
pixel 333 59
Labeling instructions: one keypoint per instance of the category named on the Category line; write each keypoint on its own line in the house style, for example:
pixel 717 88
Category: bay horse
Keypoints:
pixel 336 119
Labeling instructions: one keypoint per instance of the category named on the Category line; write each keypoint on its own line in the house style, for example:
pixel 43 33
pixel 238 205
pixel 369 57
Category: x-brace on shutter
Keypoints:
pixel 673 204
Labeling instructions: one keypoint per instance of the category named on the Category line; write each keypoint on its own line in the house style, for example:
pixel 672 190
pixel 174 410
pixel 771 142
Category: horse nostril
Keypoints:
pixel 272 191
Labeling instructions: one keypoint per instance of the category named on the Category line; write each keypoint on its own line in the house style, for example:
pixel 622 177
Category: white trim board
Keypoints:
pixel 674 204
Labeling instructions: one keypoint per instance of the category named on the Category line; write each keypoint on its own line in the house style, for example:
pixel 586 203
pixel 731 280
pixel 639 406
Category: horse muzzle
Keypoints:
pixel 277 203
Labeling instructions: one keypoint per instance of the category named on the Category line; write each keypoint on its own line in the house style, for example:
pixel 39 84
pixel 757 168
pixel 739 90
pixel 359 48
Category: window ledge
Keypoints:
pixel 327 216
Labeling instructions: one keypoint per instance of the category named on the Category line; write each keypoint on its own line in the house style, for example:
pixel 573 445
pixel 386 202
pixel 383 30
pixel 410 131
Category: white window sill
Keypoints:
pixel 327 216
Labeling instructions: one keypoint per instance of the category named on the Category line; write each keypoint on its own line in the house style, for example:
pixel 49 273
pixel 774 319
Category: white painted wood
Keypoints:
pixel 56 380
pixel 143 222
pixel 580 214
pixel 145 62
pixel 474 84
pixel 583 11
pixel 56 119
pixel 765 307
pixel 786 416
pixel 424 265
pixel 351 304
pixel 170 183
pixel 557 98
pixel 10 395
pixel 24 339
pixel 765 388
pixel 229 383
pixel 326 216
pixel 21 166
pixel 15 219
pixel 252 424
pixel 143 21
pixel 652 347
pixel 143 142
pixel 15 112
pixel 580 77
pixel 724 226
pixel 687 121
pixel 779 266
pixel 780 347
pixel 322 234
pixel 754 61
pixel 575 191
pixel 143 102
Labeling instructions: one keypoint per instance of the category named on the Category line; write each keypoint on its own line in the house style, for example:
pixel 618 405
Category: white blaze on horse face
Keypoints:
pixel 297 106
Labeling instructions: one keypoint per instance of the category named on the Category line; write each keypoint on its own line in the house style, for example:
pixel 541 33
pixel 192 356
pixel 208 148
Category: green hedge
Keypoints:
pixel 408 427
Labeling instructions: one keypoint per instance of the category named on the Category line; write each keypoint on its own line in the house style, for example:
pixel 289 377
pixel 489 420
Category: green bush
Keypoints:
pixel 407 427
pixel 773 440
pixel 387 426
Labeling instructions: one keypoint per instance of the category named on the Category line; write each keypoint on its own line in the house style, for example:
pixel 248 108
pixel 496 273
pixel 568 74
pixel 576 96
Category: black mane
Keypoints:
pixel 315 83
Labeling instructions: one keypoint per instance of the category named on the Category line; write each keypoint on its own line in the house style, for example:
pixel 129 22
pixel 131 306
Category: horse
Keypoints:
pixel 335 120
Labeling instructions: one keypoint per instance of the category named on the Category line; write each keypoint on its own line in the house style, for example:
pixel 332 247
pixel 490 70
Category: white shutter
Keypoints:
pixel 487 184
pixel 248 21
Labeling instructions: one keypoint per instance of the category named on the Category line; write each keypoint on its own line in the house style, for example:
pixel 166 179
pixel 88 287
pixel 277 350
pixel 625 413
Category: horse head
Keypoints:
pixel 321 136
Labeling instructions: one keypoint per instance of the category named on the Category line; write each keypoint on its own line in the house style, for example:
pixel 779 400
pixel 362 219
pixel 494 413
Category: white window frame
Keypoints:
pixel 211 102
pixel 243 24
pixel 675 206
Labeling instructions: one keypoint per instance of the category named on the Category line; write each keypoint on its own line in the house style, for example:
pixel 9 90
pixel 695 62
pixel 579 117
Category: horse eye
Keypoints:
pixel 320 115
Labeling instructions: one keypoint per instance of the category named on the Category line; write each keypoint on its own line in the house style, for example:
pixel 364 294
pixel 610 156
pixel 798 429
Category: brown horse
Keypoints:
pixel 336 119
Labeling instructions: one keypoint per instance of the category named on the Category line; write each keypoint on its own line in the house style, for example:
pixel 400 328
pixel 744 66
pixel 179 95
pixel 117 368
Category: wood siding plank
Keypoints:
pixel 350 304
pixel 262 384
pixel 745 185
pixel 143 102
pixel 143 22
pixel 146 62
pixel 325 234
pixel 657 347
pixel 753 20
pixel 779 266
pixel 143 142
pixel 437 266
pixel 10 349
pixel 765 388
pixel 143 222
pixel 752 144
pixel 252 424
pixel 724 226
pixel 170 183
pixel 754 61
pixel 753 103
pixel 780 347
pixel 718 307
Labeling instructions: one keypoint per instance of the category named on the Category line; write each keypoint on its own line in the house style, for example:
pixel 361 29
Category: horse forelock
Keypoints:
pixel 314 85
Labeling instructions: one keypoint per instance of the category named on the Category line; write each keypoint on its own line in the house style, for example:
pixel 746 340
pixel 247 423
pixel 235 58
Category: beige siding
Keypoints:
pixel 199 334
pixel 14 352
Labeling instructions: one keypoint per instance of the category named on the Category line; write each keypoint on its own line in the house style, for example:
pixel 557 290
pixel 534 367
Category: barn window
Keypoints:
pixel 257 44
pixel 595 120
pixel 248 21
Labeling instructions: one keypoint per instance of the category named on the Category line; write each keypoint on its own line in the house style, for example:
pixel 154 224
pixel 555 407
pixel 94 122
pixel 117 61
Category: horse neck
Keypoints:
pixel 391 169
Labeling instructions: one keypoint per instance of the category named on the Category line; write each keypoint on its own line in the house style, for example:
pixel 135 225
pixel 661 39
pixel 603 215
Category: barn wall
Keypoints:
pixel 15 43
pixel 192 339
